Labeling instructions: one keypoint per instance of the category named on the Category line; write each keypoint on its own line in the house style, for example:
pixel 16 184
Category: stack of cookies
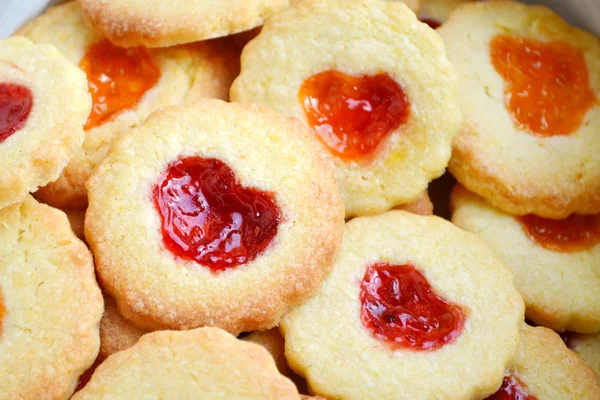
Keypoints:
pixel 217 199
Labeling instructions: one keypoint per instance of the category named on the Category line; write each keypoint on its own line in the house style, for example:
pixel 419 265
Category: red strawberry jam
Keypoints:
pixel 15 105
pixel 207 216
pixel 512 389
pixel 400 307
pixel 575 233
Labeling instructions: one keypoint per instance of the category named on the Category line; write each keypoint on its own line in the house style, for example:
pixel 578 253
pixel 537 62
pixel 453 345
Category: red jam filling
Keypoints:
pixel 575 233
pixel 15 105
pixel 547 88
pixel 207 216
pixel 401 308
pixel 434 24
pixel 352 115
pixel 117 79
pixel 512 389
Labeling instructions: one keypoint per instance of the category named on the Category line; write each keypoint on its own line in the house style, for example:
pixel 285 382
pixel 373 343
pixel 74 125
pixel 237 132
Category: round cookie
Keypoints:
pixel 318 59
pixel 205 363
pixel 398 310
pixel 587 347
pixel 435 12
pixel 161 23
pixel 421 206
pixel 561 287
pixel 43 106
pixel 116 333
pixel 257 241
pixel 50 304
pixel 529 93
pixel 145 80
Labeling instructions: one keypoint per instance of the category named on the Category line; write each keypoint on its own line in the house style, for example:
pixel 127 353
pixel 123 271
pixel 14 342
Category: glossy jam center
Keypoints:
pixel 434 24
pixel 512 389
pixel 547 88
pixel 208 217
pixel 401 308
pixel 15 105
pixel 352 115
pixel 117 79
pixel 575 233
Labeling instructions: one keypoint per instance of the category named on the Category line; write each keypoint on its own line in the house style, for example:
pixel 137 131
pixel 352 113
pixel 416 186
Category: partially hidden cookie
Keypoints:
pixel 204 363
pixel 529 94
pixel 435 12
pixel 215 213
pixel 161 23
pixel 374 85
pixel 273 342
pixel 76 218
pixel 116 333
pixel 409 298
pixel 50 304
pixel 586 346
pixel 43 106
pixel 422 205
pixel 126 86
pixel 555 263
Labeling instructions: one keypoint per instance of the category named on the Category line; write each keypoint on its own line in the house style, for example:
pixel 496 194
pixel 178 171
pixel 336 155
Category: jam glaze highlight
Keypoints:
pixel 352 115
pixel 512 389
pixel 208 217
pixel 15 105
pixel 402 309
pixel 117 79
pixel 574 233
pixel 547 88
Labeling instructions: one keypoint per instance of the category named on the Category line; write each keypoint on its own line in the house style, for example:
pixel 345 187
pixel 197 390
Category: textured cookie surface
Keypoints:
pixel 588 348
pixel 328 342
pixel 383 47
pixel 116 333
pixel 436 12
pixel 50 304
pixel 43 106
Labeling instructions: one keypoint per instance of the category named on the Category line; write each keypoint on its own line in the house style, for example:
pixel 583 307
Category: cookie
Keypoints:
pixel 201 363
pixel 586 346
pixel 50 303
pixel 555 263
pixel 421 206
pixel 410 298
pixel 43 106
pixel 274 343
pixel 257 241
pixel 546 369
pixel 529 95
pixel 318 59
pixel 161 23
pixel 116 333
pixel 435 12
pixel 139 81
pixel 414 5
pixel 76 218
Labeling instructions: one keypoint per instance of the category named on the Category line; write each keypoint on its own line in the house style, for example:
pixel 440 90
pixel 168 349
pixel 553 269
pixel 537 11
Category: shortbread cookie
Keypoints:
pixel 375 86
pixel 435 12
pixel 76 218
pixel 410 298
pixel 126 86
pixel 116 333
pixel 43 106
pixel 274 343
pixel 161 23
pixel 50 303
pixel 205 363
pixel 233 211
pixel 529 94
pixel 421 206
pixel 586 346
pixel 546 369
pixel 414 5
pixel 555 263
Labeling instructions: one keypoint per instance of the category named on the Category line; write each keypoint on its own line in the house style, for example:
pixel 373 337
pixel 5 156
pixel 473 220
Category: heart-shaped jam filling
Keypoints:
pixel 547 88
pixel 575 233
pixel 400 307
pixel 117 79
pixel 15 105
pixel 209 217
pixel 512 389
pixel 352 115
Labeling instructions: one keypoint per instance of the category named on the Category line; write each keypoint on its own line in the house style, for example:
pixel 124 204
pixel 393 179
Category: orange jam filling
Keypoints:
pixel 352 115
pixel 547 88
pixel 117 79
pixel 575 233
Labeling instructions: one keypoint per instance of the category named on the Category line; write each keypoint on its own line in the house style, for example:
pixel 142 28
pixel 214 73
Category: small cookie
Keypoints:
pixel 435 12
pixel 116 333
pixel 410 298
pixel 546 369
pixel 375 86
pixel 421 206
pixel 162 23
pixel 555 264
pixel 43 106
pixel 529 94
pixel 205 363
pixel 76 218
pixel 216 214
pixel 586 346
pixel 50 303
pixel 274 343
pixel 126 85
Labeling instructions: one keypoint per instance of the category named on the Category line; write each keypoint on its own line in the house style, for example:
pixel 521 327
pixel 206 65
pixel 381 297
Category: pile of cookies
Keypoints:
pixel 184 219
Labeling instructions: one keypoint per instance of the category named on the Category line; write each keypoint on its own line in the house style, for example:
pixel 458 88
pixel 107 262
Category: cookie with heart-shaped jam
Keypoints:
pixel 213 214
pixel 126 84
pixel 410 298
pixel 43 106
pixel 372 83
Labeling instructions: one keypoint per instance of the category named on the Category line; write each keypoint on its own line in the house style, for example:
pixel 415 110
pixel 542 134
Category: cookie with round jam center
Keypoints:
pixel 575 233
pixel 15 105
